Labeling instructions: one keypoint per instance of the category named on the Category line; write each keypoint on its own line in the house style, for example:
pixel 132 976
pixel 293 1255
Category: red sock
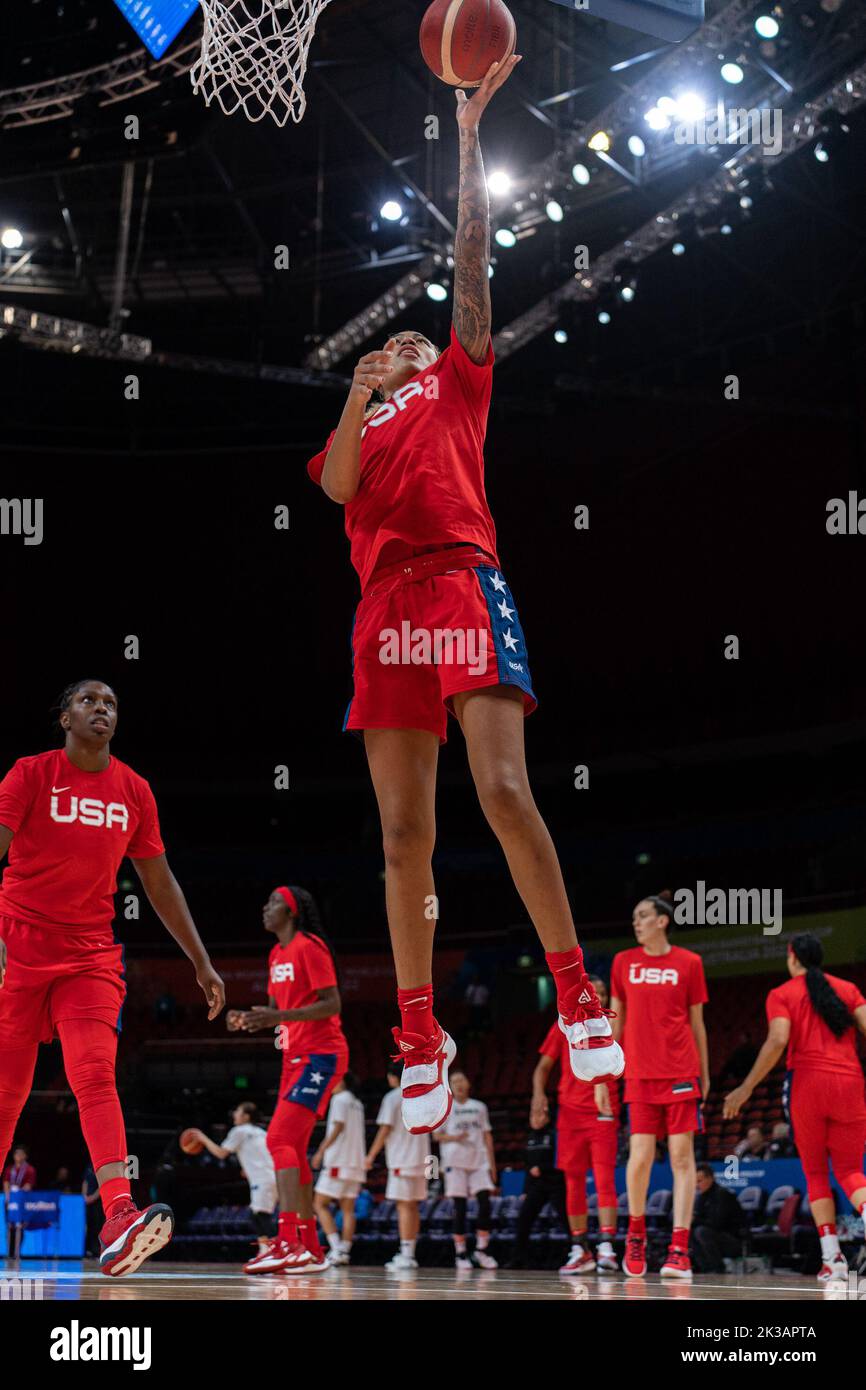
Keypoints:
pixel 607 1230
pixel 112 1192
pixel 828 1229
pixel 416 1010
pixel 309 1236
pixel 567 970
pixel 637 1226
pixel 287 1227
pixel 680 1238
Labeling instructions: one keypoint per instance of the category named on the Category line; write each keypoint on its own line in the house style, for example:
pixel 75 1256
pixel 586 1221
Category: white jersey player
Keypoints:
pixel 249 1145
pixel 468 1158
pixel 340 1157
pixel 408 1159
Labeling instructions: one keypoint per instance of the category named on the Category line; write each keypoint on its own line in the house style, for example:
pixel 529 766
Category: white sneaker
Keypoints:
pixel 337 1257
pixel 484 1260
pixel 400 1262
pixel 426 1095
pixel 834 1271
pixel 593 1054
pixel 605 1258
pixel 579 1261
pixel 463 1262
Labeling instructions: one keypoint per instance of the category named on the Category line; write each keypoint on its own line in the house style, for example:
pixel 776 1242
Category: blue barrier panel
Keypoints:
pixel 63 1239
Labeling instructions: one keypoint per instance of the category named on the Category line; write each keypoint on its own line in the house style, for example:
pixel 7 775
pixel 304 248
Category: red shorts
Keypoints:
pixel 427 629
pixel 664 1107
pixel 583 1143
pixel 53 976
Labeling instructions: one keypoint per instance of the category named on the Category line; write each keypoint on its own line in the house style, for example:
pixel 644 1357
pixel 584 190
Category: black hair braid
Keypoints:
pixel 822 996
pixel 310 922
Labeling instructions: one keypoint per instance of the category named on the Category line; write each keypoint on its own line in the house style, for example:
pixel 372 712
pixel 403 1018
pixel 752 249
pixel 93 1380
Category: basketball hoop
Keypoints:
pixel 254 56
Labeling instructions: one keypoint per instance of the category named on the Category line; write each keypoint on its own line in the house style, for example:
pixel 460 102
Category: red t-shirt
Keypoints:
pixel 812 1045
pixel 422 465
pixel 658 992
pixel 296 973
pixel 20 1175
pixel 576 1097
pixel 72 829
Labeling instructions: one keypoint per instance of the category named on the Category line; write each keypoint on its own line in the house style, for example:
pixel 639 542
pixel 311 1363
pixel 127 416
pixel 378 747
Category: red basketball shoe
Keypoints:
pixel 272 1260
pixel 634 1262
pixel 426 1094
pixel 130 1236
pixel 677 1264
pixel 593 1054
pixel 579 1261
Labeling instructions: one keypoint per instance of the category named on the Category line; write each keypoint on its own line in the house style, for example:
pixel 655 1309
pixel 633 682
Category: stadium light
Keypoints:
pixel 554 210
pixel 436 291
pixel 499 182
pixel 581 174
pixel 11 238
pixel 391 211
pixel 504 236
pixel 766 27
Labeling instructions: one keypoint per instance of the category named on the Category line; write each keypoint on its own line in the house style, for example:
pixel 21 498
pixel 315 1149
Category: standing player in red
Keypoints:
pixel 68 817
pixel 658 994
pixel 587 1124
pixel 408 467
pixel 817 1017
pixel 304 1004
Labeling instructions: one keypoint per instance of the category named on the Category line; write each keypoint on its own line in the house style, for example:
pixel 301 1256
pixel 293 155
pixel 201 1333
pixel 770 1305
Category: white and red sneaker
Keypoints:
pixel 605 1258
pixel 271 1260
pixel 303 1261
pixel 593 1054
pixel 834 1271
pixel 677 1264
pixel 579 1261
pixel 130 1236
pixel 426 1094
pixel 634 1260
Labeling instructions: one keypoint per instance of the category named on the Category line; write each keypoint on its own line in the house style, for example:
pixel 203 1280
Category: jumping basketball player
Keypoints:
pixel 408 467
pixel 68 817
pixel 340 1156
pixel 817 1017
pixel 304 1005
pixel 248 1142
pixel 587 1123
pixel 658 994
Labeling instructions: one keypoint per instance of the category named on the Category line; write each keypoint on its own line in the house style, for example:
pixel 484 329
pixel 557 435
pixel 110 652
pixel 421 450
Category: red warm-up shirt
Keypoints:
pixel 658 992
pixel 296 972
pixel 72 829
pixel 422 465
pixel 576 1097
pixel 812 1046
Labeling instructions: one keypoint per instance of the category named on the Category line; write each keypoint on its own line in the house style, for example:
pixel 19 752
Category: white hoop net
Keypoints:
pixel 254 56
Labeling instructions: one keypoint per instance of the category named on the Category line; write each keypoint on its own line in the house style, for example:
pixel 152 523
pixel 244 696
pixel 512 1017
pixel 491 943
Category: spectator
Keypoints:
pixel 717 1224
pixel 19 1174
pixel 544 1183
pixel 62 1182
pixel 781 1144
pixel 753 1145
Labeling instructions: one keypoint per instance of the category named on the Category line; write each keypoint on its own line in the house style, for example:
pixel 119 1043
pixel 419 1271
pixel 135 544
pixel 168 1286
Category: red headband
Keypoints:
pixel 290 898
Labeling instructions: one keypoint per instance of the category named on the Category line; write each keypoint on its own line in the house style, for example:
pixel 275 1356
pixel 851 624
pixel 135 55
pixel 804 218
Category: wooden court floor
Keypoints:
pixel 164 1281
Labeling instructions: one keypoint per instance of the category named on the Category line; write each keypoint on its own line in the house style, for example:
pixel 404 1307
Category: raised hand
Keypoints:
pixel 371 371
pixel 469 108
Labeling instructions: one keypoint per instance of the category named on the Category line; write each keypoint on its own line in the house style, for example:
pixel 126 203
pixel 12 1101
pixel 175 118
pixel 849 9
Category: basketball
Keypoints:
pixel 189 1143
pixel 461 38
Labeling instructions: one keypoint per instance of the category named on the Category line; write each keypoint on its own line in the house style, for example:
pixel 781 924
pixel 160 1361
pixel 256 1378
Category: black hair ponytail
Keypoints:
pixel 309 921
pixel 822 996
pixel 663 903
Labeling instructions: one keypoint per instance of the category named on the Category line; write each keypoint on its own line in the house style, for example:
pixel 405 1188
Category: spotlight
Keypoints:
pixel 436 291
pixel 766 27
pixel 11 238
pixel 668 105
pixel 733 73
pixel 505 237
pixel 600 141
pixel 636 146
pixel 391 211
pixel 489 270
pixel 580 174
pixel 656 119
pixel 604 317
pixel 678 249
pixel 691 106
pixel 560 336
pixel 745 202
pixel 627 293
pixel 822 154
pixel 499 182
pixel 554 210
pixel 726 229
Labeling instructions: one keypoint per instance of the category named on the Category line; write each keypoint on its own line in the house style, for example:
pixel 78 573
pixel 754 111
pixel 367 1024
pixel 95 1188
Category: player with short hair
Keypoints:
pixel 658 992
pixel 68 817
pixel 303 1009
pixel 587 1125
pixel 817 1017
pixel 248 1142
pixel 340 1156
pixel 407 1156
pixel 406 461
pixel 469 1161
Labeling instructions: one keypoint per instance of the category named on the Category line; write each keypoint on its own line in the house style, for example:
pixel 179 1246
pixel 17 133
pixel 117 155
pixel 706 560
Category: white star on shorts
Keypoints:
pixel 317 1077
pixel 510 642
pixel 498 584
pixel 505 611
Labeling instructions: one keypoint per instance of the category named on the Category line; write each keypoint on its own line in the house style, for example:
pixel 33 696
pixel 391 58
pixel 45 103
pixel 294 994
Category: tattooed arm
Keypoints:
pixel 472 242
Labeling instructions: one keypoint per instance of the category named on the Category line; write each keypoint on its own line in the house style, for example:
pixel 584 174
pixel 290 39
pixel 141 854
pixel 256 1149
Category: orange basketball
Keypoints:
pixel 189 1143
pixel 461 38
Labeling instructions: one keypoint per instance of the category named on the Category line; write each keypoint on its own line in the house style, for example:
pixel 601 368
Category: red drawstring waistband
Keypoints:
pixel 425 566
